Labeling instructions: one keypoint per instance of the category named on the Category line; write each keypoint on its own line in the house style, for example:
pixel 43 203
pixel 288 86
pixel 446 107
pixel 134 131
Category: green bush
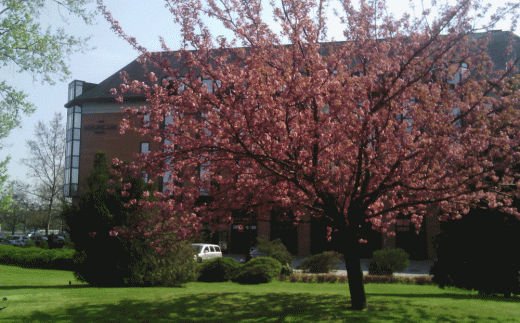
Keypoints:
pixel 43 244
pixel 275 249
pixel 36 257
pixel 321 263
pixel 258 271
pixel 29 244
pixel 174 267
pixel 105 259
pixel 386 262
pixel 218 269
pixel 474 253
pixel 287 270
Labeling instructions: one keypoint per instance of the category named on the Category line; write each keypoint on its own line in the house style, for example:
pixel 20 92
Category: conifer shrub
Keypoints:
pixel 258 271
pixel 105 259
pixel 321 263
pixel 474 253
pixel 218 269
pixel 386 262
pixel 174 267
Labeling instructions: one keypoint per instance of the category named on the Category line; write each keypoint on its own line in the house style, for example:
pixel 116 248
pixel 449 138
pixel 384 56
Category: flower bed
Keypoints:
pixel 367 279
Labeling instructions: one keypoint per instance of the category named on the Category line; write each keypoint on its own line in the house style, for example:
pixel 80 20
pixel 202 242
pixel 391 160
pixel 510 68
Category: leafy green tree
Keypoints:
pixel 31 47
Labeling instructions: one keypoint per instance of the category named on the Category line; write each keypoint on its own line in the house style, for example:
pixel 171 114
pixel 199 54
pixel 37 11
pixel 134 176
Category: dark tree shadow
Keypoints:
pixel 243 306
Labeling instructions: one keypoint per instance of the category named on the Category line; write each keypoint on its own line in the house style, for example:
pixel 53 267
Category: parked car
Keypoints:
pixel 206 251
pixel 36 233
pixel 38 239
pixel 254 253
pixel 17 240
pixel 56 241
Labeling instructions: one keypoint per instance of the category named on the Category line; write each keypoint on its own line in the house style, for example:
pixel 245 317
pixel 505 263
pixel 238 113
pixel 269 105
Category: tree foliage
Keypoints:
pixel 28 45
pixel 386 122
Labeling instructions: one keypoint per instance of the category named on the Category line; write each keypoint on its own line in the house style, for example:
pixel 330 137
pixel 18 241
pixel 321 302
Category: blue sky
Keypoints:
pixel 145 20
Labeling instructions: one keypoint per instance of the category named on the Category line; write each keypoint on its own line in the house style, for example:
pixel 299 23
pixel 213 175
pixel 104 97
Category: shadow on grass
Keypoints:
pixel 76 285
pixel 454 296
pixel 243 307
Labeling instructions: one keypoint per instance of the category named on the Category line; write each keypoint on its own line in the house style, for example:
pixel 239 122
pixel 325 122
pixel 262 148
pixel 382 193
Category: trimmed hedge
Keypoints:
pixel 321 263
pixel 218 269
pixel 34 257
pixel 258 271
pixel 386 262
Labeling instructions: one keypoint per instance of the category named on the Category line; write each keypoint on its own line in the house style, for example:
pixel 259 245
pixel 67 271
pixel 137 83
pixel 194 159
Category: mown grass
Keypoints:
pixel 35 295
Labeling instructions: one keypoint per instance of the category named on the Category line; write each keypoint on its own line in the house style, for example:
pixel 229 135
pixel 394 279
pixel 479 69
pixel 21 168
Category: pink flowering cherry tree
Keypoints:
pixel 403 116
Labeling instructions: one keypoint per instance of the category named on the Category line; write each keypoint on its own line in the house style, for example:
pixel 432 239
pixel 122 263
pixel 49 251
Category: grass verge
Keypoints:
pixel 35 295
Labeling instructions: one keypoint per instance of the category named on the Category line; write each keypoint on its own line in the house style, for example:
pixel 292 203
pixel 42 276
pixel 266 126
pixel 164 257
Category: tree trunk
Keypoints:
pixel 350 249
pixel 355 274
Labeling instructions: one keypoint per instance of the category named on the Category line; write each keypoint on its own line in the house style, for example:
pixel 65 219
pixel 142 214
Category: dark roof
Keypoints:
pixel 497 46
pixel 136 71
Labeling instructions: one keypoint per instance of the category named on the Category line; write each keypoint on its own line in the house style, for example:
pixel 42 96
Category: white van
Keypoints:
pixel 206 251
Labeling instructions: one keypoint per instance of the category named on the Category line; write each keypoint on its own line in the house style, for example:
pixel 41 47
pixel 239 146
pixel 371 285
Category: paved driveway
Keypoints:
pixel 415 267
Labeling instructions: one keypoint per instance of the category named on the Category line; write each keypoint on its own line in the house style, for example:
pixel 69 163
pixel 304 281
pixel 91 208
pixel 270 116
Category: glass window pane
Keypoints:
pixel 74 176
pixel 69 121
pixel 67 162
pixel 77 109
pixel 77 120
pixel 66 190
pixel 145 147
pixel 77 134
pixel 73 189
pixel 75 162
pixel 79 88
pixel 68 136
pixel 67 177
pixel 209 85
pixel 68 150
pixel 75 148
pixel 71 89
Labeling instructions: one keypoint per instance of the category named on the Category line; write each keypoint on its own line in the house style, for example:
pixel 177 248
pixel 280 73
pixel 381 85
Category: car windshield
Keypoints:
pixel 198 247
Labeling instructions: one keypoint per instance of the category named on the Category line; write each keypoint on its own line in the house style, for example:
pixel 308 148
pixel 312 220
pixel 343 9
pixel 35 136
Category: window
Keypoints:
pixel 72 150
pixel 145 147
pixel 459 74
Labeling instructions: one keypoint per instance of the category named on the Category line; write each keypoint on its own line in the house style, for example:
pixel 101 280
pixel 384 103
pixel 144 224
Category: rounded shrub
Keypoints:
pixel 386 262
pixel 275 249
pixel 218 269
pixel 258 271
pixel 321 263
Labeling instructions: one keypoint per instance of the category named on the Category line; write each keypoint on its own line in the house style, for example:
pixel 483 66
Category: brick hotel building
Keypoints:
pixel 93 118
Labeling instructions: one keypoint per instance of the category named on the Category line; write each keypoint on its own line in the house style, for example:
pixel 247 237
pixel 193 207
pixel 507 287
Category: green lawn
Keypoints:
pixel 35 295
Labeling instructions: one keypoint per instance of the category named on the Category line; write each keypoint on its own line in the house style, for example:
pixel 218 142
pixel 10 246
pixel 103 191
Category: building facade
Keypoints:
pixel 93 118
